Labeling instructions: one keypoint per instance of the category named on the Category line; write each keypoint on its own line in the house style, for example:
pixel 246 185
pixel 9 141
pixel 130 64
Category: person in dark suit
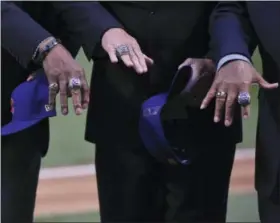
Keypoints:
pixel 30 32
pixel 236 29
pixel 134 59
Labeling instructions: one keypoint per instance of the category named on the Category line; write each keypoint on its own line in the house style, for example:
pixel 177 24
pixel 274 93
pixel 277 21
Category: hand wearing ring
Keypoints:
pixel 121 46
pixel 235 79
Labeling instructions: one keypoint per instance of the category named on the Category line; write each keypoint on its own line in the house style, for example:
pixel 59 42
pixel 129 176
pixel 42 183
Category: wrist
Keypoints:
pixel 44 48
pixel 231 57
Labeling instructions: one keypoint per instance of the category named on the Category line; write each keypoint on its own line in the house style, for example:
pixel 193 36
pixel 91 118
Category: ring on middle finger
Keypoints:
pixel 75 83
pixel 122 50
pixel 221 94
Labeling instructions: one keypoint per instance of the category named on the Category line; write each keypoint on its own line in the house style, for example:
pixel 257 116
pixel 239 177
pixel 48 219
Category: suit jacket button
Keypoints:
pixel 152 13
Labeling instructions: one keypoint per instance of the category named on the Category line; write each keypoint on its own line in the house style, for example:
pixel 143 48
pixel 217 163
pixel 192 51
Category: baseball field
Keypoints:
pixel 67 189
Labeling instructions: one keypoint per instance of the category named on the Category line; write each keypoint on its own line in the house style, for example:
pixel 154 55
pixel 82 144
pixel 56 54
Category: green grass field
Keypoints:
pixel 240 209
pixel 68 146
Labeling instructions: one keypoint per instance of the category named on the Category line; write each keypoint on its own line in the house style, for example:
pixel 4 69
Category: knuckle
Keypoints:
pixel 230 99
pixel 134 42
pixel 64 105
pixel 221 100
pixel 229 106
pixel 63 93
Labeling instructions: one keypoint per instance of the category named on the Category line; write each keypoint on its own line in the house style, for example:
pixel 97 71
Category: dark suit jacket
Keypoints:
pixel 243 25
pixel 168 32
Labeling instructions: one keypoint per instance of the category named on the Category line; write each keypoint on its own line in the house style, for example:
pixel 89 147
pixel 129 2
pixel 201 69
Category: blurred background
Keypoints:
pixel 67 189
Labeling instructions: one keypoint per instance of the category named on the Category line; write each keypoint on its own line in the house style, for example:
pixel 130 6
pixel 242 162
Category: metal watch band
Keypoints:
pixel 41 53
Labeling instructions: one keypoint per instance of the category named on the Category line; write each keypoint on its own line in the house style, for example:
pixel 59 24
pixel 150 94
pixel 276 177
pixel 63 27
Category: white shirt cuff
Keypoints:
pixel 231 57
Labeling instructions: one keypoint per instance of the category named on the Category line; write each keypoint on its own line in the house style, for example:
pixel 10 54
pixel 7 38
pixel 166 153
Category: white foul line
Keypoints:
pixel 87 170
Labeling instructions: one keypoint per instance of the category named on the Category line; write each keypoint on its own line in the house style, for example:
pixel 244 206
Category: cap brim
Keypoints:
pixel 17 126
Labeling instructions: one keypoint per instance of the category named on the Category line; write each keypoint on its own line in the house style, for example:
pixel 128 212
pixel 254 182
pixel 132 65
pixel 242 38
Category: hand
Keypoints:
pixel 233 78
pixel 60 68
pixel 199 66
pixel 116 37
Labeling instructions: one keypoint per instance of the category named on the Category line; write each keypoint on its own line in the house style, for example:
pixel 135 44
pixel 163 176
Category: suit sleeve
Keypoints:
pixel 231 31
pixel 20 33
pixel 86 22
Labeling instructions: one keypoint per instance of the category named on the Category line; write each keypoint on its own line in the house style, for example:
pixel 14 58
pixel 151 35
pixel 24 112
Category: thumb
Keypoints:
pixel 264 84
pixel 187 62
pixel 148 60
pixel 31 77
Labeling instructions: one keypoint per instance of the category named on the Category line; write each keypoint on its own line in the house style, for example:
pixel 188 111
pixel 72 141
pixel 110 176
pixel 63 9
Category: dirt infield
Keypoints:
pixel 79 193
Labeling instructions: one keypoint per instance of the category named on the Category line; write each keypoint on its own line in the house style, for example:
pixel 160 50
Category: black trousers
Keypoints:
pixel 133 187
pixel 269 207
pixel 20 164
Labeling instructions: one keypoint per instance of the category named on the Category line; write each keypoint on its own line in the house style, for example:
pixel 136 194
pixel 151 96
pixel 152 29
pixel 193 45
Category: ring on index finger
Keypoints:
pixel 221 94
pixel 122 50
pixel 53 87
pixel 75 83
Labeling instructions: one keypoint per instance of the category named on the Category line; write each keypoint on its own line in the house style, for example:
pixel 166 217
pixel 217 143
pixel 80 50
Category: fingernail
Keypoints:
pixel 79 111
pixel 202 106
pixel 216 119
pixel 227 123
pixel 65 111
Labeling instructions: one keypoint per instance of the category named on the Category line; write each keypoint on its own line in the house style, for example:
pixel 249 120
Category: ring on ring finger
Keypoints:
pixel 75 84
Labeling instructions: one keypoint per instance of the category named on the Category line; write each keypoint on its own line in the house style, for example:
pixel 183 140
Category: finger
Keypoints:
pixel 245 111
pixel 63 96
pixel 220 103
pixel 209 97
pixel 149 61
pixel 264 84
pixel 126 60
pixel 31 76
pixel 196 71
pixel 187 62
pixel 76 98
pixel 53 90
pixel 85 93
pixel 229 106
pixel 112 55
pixel 135 60
pixel 141 58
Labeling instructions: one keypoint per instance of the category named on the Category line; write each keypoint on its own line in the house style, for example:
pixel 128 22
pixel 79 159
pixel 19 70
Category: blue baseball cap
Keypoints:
pixel 29 104
pixel 151 128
